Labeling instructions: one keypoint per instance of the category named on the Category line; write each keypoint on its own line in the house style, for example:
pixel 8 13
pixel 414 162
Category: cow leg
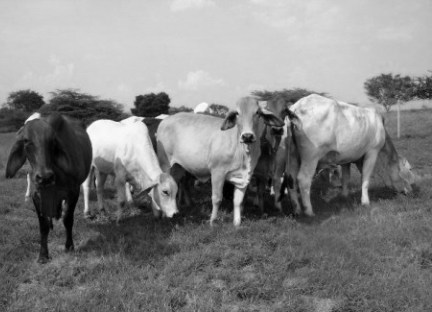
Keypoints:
pixel 129 198
pixel 86 192
pixel 27 194
pixel 345 179
pixel 68 218
pixel 184 181
pixel 259 199
pixel 239 194
pixel 217 181
pixel 291 183
pixel 368 166
pixel 304 177
pixel 44 228
pixel 100 182
pixel 276 181
pixel 121 196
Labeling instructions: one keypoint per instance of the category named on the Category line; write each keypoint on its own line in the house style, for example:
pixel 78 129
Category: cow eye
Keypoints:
pixel 165 192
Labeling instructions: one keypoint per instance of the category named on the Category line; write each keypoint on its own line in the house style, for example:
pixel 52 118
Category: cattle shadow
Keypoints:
pixel 328 202
pixel 141 238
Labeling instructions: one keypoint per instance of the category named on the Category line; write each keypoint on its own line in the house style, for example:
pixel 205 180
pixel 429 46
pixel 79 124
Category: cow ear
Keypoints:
pixel 16 157
pixel 269 118
pixel 229 121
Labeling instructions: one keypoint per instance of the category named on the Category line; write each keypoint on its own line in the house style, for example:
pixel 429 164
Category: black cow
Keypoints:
pixel 60 154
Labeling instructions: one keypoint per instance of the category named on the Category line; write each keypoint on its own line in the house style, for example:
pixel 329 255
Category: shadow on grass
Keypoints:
pixel 140 238
pixel 325 206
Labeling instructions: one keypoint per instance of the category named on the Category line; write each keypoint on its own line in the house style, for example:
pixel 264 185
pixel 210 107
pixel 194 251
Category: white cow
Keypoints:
pixel 209 147
pixel 326 132
pixel 125 151
pixel 132 119
pixel 29 183
pixel 202 108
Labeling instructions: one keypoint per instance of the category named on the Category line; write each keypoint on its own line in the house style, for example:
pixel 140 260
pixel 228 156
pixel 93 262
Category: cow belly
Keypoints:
pixel 104 165
pixel 202 173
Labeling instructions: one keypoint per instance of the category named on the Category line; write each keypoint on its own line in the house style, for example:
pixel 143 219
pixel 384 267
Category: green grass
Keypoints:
pixel 348 258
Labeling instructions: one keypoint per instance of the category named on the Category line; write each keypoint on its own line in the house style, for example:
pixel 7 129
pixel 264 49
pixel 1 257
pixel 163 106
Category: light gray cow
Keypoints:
pixel 218 149
pixel 326 132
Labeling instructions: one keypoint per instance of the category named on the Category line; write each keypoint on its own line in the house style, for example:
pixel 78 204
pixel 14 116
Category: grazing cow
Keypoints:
pixel 325 132
pixel 220 149
pixel 59 152
pixel 125 151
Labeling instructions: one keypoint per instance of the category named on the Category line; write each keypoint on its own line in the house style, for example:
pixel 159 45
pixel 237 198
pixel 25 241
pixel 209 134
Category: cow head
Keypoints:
pixel 402 177
pixel 163 196
pixel 37 142
pixel 246 117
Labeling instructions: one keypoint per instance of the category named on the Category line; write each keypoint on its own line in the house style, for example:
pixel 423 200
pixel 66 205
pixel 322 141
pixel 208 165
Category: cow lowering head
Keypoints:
pixel 37 142
pixel 401 175
pixel 163 196
pixel 246 118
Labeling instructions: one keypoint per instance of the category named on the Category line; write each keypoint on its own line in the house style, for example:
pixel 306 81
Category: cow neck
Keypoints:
pixel 150 165
pixel 248 154
pixel 392 156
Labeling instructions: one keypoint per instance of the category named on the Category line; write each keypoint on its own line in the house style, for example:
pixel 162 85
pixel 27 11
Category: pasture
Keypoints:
pixel 347 258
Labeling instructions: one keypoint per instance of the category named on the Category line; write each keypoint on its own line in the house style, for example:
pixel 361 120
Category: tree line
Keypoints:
pixel 386 89
pixel 85 107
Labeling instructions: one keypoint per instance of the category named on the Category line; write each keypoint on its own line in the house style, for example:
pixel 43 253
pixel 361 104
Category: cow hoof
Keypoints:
pixel 69 249
pixel 88 216
pixel 43 260
pixel 309 214
pixel 213 223
pixel 27 199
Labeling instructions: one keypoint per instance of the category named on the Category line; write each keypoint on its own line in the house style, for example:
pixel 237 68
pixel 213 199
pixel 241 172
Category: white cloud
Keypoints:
pixel 60 73
pixel 158 87
pixel 394 34
pixel 180 5
pixel 198 79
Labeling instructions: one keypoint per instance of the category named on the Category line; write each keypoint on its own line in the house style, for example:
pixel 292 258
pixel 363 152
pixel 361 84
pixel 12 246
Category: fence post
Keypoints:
pixel 398 119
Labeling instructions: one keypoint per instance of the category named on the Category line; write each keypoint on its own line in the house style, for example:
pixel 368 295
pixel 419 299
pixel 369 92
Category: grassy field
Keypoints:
pixel 347 258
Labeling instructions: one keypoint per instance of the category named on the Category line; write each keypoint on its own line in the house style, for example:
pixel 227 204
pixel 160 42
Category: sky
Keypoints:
pixel 209 50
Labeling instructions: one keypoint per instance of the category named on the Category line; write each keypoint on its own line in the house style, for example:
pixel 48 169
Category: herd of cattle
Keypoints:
pixel 274 142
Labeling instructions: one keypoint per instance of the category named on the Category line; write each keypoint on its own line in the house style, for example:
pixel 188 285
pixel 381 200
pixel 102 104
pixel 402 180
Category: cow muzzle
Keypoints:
pixel 247 138
pixel 44 178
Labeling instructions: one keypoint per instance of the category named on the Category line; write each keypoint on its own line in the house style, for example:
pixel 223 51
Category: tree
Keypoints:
pixel 11 119
pixel 83 106
pixel 25 100
pixel 423 87
pixel 388 90
pixel 290 95
pixel 151 105
pixel 174 110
